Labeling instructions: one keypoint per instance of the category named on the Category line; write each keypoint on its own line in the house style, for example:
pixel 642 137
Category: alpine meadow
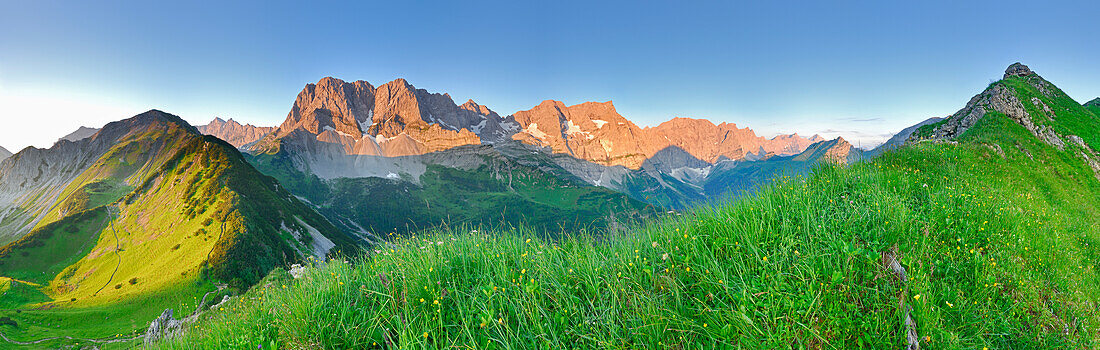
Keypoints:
pixel 768 176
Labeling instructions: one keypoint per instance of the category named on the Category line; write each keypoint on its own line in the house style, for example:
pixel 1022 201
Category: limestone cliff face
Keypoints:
pixel 597 132
pixel 330 103
pixel 233 132
pixel 394 119
pixel 592 131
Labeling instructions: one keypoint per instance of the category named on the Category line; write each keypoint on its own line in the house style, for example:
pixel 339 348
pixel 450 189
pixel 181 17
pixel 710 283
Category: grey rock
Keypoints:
pixel 297 271
pixel 1002 99
pixel 80 134
pixel 163 327
pixel 1017 69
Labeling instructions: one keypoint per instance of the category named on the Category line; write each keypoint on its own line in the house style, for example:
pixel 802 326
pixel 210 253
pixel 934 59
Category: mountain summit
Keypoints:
pixel 1032 102
pixel 149 199
pixel 233 132
pixel 394 119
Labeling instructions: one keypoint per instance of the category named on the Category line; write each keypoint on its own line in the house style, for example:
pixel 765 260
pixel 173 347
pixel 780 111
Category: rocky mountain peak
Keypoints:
pixel 1094 103
pixel 1004 98
pixel 4 153
pixel 472 106
pixel 80 134
pixel 237 134
pixel 357 116
pixel 153 116
pixel 1017 69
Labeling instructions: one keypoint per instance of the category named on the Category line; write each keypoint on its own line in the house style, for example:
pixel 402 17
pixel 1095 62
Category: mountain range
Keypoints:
pixel 955 221
pixel 336 130
pixel 151 203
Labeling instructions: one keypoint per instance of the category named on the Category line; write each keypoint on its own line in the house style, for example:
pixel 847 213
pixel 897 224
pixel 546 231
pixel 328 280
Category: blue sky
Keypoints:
pixel 856 69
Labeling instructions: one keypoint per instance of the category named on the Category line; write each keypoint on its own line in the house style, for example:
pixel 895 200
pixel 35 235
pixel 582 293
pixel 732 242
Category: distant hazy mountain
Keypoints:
pixel 80 134
pixel 899 139
pixel 233 132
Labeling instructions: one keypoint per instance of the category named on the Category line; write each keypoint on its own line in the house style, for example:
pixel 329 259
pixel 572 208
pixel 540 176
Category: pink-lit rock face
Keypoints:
pixel 396 119
pixel 233 132
pixel 597 132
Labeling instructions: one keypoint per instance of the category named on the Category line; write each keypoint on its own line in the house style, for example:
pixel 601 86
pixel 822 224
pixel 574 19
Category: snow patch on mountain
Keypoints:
pixel 533 129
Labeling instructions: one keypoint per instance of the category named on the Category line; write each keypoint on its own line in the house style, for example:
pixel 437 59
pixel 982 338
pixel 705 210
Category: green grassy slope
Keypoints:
pixel 1093 106
pixel 1000 252
pixel 157 221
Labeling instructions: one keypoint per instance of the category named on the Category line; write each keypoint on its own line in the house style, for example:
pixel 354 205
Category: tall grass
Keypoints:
pixel 999 252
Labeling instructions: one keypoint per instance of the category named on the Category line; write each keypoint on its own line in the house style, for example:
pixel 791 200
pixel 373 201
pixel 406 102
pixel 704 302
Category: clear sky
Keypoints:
pixel 852 68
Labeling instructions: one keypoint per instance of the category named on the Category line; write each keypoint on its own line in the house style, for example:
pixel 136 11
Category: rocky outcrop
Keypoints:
pixel 596 132
pixel 1017 70
pixel 1003 99
pixel 1087 153
pixel 4 154
pixel 233 132
pixel 163 327
pixel 80 134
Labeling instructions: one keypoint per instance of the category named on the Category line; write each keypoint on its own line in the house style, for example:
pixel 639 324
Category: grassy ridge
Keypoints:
pixel 1000 252
pixel 168 220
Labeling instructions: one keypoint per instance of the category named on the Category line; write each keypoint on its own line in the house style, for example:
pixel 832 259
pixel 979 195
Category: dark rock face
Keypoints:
pixel 1018 69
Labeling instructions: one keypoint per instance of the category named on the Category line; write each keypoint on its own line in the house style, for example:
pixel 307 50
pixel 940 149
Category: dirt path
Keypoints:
pixel 98 341
pixel 117 256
